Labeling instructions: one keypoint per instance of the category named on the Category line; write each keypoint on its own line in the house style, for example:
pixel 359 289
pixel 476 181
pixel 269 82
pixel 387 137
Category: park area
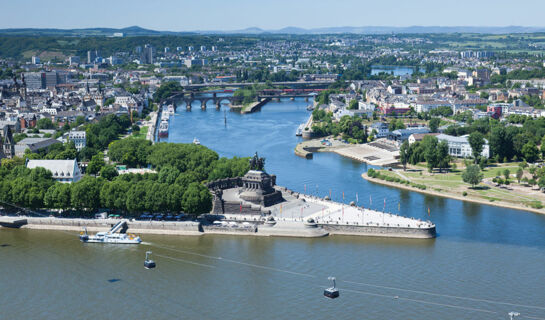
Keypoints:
pixel 492 190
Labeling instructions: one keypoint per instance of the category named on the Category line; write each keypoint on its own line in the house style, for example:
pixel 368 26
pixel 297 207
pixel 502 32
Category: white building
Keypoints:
pixel 381 129
pixel 64 171
pixel 459 146
pixel 79 138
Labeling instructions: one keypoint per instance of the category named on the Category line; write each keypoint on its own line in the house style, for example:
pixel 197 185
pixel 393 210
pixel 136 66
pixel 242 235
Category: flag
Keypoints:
pixel 398 206
pixel 429 215
pixel 329 193
pixel 384 205
pixel 343 195
pixel 280 208
pixel 370 201
pixel 305 188
pixel 241 207
pixel 357 197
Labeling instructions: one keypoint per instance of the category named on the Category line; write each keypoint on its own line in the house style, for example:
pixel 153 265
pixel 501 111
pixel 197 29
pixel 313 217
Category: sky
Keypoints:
pixel 184 15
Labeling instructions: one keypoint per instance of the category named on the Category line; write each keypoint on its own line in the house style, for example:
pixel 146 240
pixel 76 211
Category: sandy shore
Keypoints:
pixel 452 196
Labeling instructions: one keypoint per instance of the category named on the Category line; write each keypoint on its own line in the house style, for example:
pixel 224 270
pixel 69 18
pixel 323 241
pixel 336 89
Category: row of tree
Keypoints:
pixel 177 185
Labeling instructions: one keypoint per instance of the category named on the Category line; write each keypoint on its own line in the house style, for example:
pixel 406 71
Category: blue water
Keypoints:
pixel 271 132
pixel 395 70
pixel 481 252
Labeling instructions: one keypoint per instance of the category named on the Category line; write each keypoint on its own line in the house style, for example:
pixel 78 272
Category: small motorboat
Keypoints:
pixel 332 292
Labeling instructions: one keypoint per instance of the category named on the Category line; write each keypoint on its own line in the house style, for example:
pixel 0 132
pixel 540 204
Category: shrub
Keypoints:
pixel 464 193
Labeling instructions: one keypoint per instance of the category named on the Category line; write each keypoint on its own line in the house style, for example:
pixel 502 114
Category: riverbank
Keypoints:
pixel 376 153
pixel 446 194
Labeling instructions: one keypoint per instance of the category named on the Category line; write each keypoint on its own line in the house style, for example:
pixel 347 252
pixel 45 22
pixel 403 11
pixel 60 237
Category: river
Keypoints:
pixel 481 252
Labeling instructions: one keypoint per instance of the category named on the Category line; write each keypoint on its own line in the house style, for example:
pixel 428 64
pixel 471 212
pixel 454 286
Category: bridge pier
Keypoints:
pixel 203 104
pixel 292 98
pixel 188 105
pixel 306 99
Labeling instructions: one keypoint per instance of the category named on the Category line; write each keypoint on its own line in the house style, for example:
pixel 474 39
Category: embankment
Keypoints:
pixel 445 194
pixel 96 225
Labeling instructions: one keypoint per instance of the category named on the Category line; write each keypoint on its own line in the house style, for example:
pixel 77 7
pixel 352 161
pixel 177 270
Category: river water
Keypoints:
pixel 485 262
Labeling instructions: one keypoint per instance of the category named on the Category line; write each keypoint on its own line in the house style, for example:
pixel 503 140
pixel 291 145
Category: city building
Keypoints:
pixel 380 128
pixel 35 80
pixel 64 171
pixel 92 56
pixel 79 139
pixel 34 145
pixel 148 54
pixel 35 60
pixel 459 146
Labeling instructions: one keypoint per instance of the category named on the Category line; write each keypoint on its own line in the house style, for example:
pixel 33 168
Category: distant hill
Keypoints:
pixel 138 31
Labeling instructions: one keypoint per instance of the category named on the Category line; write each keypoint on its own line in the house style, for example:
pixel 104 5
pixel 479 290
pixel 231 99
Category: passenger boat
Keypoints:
pixel 163 128
pixel 113 236
pixel 310 107
pixel 170 109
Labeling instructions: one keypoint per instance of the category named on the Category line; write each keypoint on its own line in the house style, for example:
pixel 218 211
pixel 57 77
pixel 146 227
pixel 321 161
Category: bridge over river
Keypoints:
pixel 189 97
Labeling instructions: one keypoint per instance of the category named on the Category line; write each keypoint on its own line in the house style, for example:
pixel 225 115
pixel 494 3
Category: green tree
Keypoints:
pixel 353 104
pixel 472 175
pixel 530 152
pixel 520 173
pixel 430 152
pixel 506 174
pixel 108 172
pixel 96 163
pixel 434 124
pixel 197 199
pixel 58 196
pixel 45 123
pixel 443 158
pixel 476 141
pixel 86 193
pixel 404 154
pixel 114 194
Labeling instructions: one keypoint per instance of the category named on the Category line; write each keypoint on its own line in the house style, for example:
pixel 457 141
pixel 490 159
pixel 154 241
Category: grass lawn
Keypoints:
pixel 451 182
pixel 141 134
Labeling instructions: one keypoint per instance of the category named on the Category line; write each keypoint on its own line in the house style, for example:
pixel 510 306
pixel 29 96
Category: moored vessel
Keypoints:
pixel 115 235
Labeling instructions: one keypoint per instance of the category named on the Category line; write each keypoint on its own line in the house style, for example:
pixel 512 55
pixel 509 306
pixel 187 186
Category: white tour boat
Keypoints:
pixel 112 236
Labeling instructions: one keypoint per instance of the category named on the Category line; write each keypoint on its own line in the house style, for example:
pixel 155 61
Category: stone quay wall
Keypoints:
pixel 380 231
pixel 158 227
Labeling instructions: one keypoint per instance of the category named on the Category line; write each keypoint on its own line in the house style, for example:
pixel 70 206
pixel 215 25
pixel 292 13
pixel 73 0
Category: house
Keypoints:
pixel 79 139
pixel 380 128
pixel 34 144
pixel 404 134
pixel 63 171
pixel 416 137
pixel 459 146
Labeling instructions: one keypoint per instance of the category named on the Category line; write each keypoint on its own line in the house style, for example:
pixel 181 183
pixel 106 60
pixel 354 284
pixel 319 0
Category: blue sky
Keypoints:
pixel 183 15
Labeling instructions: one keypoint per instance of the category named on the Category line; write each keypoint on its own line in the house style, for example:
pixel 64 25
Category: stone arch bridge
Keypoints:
pixel 190 97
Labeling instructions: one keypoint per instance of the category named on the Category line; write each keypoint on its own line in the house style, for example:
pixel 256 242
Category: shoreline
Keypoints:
pixel 304 150
pixel 451 196
pixel 279 228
